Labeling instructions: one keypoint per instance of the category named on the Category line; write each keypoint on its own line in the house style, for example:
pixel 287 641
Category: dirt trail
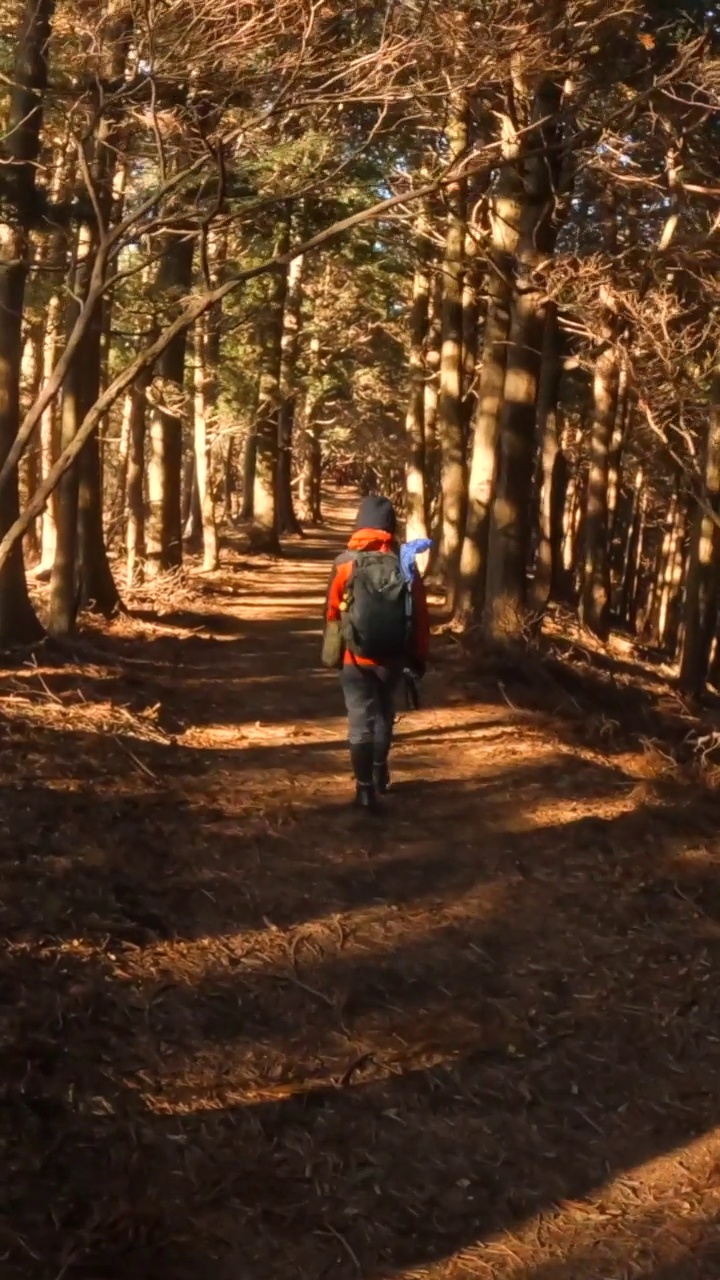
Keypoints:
pixel 246 1035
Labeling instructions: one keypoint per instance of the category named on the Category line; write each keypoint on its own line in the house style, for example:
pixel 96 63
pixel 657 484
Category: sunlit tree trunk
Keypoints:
pixel 135 529
pixel 311 485
pixel 55 257
pixel 30 377
pixel 433 343
pixel 510 527
pixel 290 350
pixel 485 425
pixel 415 477
pixel 19 150
pixel 266 427
pixel 117 511
pixel 471 311
pixel 450 427
pixel 618 439
pixel 703 581
pixel 673 586
pixel 204 377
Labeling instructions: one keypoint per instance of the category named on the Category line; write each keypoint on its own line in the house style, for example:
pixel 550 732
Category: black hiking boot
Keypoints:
pixel 365 798
pixel 361 755
pixel 381 774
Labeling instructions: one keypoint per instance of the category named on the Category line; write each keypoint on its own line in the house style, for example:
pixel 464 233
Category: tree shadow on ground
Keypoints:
pixel 333 1048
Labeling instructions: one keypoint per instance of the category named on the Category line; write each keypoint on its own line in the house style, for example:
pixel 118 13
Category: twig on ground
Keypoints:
pixel 347 1247
pixel 143 767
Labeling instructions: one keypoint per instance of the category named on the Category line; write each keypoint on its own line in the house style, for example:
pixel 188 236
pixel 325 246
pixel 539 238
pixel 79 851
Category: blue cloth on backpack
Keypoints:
pixel 409 552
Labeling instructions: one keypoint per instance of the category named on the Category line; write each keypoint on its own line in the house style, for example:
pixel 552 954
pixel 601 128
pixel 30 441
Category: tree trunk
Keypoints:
pixel 117 511
pixel 510 527
pixel 290 346
pixel 486 421
pixel 673 587
pixel 190 514
pixel 415 500
pixel 229 479
pixel 703 581
pixel 97 589
pixel 81 572
pixel 266 428
pixel 29 477
pixel 49 429
pixel 205 380
pixel 618 441
pixel 472 275
pixel 663 569
pixel 553 467
pixel 64 595
pixel 135 533
pixel 19 150
pixel 249 457
pixel 510 522
pixel 164 523
pixel 595 600
pixel 450 407
pixel 55 257
pixel 630 597
pixel 312 468
pixel 433 489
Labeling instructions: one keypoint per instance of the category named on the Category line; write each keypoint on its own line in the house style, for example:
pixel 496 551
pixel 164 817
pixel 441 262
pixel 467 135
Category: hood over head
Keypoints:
pixel 376 513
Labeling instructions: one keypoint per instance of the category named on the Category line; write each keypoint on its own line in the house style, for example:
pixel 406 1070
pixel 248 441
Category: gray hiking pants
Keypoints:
pixel 369 694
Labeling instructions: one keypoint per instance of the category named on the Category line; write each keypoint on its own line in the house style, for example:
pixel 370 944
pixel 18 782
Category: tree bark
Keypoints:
pixel 312 468
pixel 18 153
pixel 553 467
pixel 135 532
pixel 472 276
pixel 631 582
pixel 672 587
pixel 164 523
pixel 415 478
pixel 510 526
pixel 484 441
pixel 703 582
pixel 451 433
pixel 205 383
pixel 55 257
pixel 290 350
pixel 64 595
pixel 29 476
pixel 504 231
pixel 81 571
pixel 595 599
pixel 249 457
pixel 266 427
pixel 433 343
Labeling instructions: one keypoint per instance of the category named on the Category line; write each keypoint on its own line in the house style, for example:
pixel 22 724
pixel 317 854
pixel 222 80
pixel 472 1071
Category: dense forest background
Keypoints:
pixel 257 257
pixel 467 254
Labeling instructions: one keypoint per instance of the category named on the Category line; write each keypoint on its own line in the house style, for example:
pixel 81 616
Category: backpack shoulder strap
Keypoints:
pixel 345 557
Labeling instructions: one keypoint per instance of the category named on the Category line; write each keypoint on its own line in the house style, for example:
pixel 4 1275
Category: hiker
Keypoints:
pixel 376 625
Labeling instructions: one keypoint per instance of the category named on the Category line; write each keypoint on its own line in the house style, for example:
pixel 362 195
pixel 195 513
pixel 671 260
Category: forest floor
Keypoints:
pixel 246 1034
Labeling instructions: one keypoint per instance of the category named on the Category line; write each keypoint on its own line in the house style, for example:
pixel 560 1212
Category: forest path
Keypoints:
pixel 247 1034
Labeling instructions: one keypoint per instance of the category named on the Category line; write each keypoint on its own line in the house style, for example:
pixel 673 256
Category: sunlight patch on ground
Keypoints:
pixel 647 1217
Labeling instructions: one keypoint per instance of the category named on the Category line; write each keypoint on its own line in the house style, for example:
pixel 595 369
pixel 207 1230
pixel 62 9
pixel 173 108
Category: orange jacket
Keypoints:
pixel 377 540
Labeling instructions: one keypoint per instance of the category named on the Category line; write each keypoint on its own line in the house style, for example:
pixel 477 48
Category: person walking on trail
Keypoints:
pixel 376 626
